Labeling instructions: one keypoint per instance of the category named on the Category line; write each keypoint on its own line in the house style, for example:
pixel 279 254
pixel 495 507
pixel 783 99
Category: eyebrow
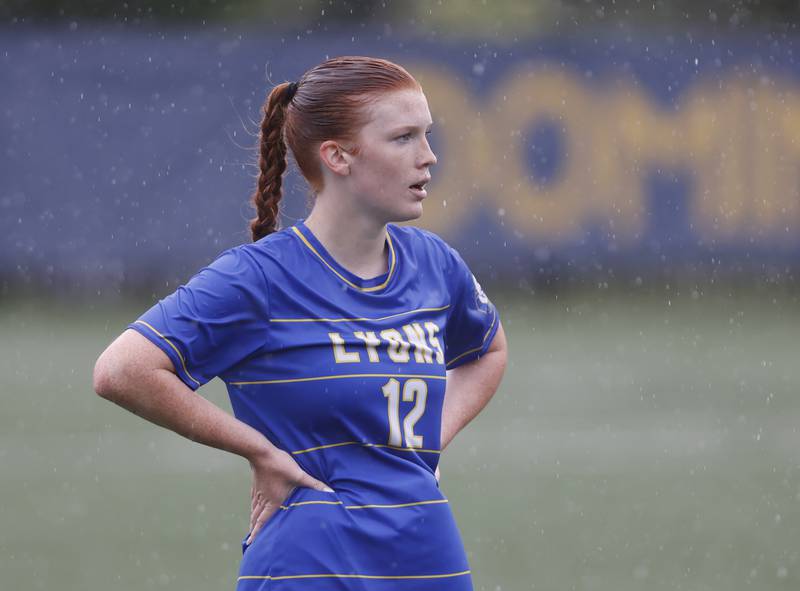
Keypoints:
pixel 404 128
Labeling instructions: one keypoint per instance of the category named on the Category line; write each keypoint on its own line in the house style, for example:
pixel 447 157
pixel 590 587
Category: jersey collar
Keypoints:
pixel 366 285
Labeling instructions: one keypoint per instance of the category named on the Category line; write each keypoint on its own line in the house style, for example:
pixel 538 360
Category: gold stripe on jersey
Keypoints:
pixel 353 507
pixel 329 445
pixel 349 576
pixel 392 256
pixel 174 348
pixel 338 377
pixel 439 309
pixel 486 336
pixel 433 502
pixel 302 451
pixel 301 503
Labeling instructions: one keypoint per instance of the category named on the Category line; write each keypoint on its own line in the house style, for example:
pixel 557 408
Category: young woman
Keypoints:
pixel 353 349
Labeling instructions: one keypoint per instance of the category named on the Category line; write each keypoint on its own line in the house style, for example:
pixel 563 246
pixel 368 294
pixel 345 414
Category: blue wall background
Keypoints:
pixel 128 155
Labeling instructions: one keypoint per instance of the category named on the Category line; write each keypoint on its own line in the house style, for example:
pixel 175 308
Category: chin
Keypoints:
pixel 412 213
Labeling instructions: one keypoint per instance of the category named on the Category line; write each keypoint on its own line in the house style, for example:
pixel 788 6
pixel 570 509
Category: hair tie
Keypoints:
pixel 291 90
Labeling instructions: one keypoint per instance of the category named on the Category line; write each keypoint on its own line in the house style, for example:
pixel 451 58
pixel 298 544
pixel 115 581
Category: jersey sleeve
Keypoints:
pixel 472 321
pixel 212 322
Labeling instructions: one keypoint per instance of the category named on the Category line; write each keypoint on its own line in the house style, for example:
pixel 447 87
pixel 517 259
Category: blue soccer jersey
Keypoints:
pixel 348 376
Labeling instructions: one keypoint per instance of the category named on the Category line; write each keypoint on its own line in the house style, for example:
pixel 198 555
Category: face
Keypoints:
pixel 391 166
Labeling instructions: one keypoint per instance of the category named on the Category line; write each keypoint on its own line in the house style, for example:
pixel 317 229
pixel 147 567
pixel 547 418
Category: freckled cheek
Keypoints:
pixel 386 171
pixel 383 166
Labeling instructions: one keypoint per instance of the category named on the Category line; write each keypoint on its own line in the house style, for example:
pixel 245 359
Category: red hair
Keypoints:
pixel 327 103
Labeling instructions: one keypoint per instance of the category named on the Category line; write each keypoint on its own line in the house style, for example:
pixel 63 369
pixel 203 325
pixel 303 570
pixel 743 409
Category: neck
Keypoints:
pixel 354 239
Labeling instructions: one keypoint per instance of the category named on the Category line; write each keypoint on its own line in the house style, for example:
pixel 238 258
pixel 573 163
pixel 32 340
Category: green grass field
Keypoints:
pixel 637 442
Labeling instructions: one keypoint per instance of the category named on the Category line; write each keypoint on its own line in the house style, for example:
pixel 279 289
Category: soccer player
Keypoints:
pixel 353 349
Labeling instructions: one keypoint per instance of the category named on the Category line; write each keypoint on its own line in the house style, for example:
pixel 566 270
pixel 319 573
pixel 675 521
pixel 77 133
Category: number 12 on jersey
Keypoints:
pixel 414 390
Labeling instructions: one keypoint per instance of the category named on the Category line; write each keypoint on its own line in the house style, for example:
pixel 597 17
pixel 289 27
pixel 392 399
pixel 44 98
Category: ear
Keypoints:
pixel 335 157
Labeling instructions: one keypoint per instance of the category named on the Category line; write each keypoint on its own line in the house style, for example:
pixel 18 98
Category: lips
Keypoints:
pixel 420 185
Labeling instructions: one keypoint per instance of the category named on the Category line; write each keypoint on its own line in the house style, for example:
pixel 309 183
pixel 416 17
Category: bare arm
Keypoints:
pixel 471 386
pixel 138 376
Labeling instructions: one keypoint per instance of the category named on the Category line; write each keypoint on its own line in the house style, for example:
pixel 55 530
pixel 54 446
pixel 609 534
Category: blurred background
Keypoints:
pixel 622 176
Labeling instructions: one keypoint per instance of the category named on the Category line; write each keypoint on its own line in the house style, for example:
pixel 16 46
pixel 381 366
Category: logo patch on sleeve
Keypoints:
pixel 479 292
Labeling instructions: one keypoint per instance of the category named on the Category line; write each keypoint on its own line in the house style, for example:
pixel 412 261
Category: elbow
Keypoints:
pixel 125 364
pixel 105 378
pixel 102 380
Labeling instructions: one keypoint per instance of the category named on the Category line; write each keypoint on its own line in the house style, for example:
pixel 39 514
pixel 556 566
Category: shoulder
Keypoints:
pixel 256 260
pixel 442 257
pixel 273 246
pixel 272 249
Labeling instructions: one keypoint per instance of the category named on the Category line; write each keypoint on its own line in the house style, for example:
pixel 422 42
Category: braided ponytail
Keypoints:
pixel 271 162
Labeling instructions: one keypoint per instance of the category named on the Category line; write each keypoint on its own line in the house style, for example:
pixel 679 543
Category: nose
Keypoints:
pixel 428 158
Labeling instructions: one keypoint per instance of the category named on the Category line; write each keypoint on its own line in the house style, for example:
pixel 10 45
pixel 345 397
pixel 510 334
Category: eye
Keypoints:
pixel 405 136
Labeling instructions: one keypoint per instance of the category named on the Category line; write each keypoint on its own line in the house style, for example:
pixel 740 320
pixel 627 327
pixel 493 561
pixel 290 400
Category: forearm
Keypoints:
pixel 469 389
pixel 159 396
